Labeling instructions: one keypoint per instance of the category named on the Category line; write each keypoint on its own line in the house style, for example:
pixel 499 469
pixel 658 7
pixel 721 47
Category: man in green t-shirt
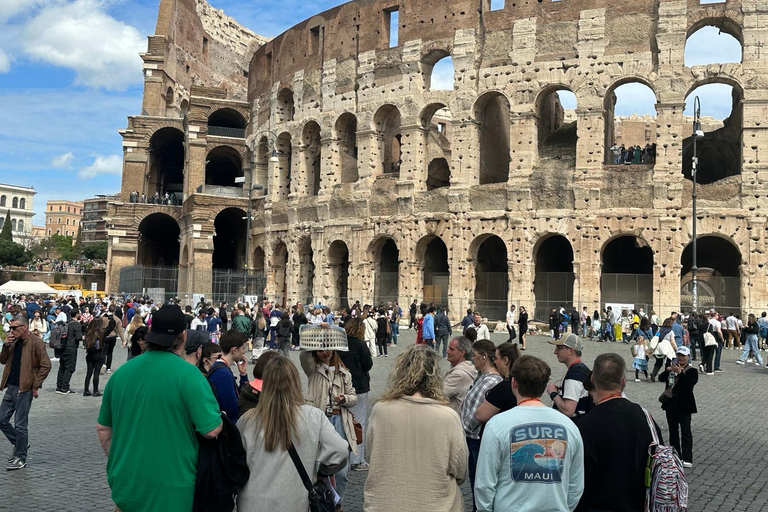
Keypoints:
pixel 153 408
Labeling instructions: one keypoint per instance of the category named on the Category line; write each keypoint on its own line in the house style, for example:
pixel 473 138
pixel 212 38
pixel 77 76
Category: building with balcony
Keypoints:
pixel 19 201
pixel 93 224
pixel 376 186
pixel 63 217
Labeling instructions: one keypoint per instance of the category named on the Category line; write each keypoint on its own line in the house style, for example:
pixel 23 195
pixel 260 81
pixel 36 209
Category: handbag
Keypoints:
pixel 665 396
pixel 358 429
pixel 320 496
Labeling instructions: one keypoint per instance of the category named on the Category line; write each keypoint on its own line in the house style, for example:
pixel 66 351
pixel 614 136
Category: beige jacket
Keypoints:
pixel 457 381
pixel 321 383
pixel 418 457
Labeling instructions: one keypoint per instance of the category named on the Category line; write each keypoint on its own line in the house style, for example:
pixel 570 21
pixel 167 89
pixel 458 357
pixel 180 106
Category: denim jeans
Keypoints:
pixel 342 477
pixel 441 338
pixel 473 446
pixel 429 342
pixel 359 410
pixel 18 434
pixel 718 353
pixel 751 344
pixel 395 328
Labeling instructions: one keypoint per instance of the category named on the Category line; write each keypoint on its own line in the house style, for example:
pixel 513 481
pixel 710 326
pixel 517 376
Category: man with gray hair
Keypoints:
pixel 26 367
pixel 462 373
pixel 616 436
pixel 570 398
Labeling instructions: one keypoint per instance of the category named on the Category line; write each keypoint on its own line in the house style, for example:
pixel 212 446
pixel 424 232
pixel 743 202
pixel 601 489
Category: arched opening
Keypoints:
pixel 346 133
pixel 718 276
pixel 437 70
pixel 557 126
pixel 166 163
pixel 436 119
pixel 13 225
pixel 306 282
pixel 492 114
pixel 714 44
pixel 284 109
pixel 2 200
pixel 387 121
pixel 222 166
pixel 284 165
pixel 227 122
pixel 312 157
pixel 169 102
pixel 630 127
pixel 22 203
pixel 184 106
pixel 553 281
pixel 20 225
pixel 338 267
pixel 434 256
pixel 258 260
pixel 15 203
pixel 720 149
pixel 280 268
pixel 158 244
pixel 387 271
pixel 491 277
pixel 627 275
pixel 229 239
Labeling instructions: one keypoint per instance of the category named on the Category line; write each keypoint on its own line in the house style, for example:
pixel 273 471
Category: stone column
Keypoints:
pixel 194 176
pixel 134 173
pixel 330 165
pixel 465 153
pixel 202 263
pixel 369 157
pixel 667 177
pixel 413 149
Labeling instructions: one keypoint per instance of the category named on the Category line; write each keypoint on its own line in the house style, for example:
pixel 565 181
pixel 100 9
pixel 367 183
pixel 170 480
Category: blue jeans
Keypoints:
pixel 751 344
pixel 18 434
pixel 441 338
pixel 342 477
pixel 430 342
pixel 718 352
pixel 473 446
pixel 395 329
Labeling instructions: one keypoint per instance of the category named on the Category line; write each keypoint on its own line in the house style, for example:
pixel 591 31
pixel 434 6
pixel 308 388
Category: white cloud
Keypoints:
pixel 10 8
pixel 79 35
pixel 112 164
pixel 5 62
pixel 62 160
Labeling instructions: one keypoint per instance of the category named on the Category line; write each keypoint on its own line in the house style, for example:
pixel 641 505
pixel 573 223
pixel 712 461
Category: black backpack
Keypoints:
pixel 221 466
pixel 58 334
pixel 221 469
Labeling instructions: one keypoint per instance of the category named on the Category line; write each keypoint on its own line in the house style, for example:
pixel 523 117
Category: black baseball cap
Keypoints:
pixel 195 340
pixel 167 323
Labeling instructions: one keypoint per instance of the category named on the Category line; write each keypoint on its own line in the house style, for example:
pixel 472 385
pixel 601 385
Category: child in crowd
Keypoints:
pixel 640 362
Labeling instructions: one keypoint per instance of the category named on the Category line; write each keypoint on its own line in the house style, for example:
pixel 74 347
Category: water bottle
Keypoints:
pixel 671 379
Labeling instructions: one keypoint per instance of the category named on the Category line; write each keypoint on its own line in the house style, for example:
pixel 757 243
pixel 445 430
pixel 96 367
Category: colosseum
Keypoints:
pixel 322 166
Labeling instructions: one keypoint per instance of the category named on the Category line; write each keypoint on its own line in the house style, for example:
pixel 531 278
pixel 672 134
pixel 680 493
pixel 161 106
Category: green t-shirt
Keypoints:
pixel 154 404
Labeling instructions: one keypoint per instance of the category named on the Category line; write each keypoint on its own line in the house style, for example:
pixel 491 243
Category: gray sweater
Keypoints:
pixel 274 483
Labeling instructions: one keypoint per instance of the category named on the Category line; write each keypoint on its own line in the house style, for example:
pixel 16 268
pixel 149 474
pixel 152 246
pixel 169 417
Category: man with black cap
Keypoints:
pixel 193 346
pixel 153 407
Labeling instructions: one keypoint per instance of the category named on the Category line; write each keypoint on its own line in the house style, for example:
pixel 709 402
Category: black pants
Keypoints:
pixel 67 364
pixel 709 356
pixel 697 341
pixel 109 346
pixel 680 424
pixel 94 363
pixel 412 322
pixel 512 334
pixel 381 342
pixel 657 365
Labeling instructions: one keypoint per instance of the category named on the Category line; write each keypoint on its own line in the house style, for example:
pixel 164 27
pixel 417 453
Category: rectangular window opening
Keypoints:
pixel 497 5
pixel 205 46
pixel 314 40
pixel 392 17
pixel 441 128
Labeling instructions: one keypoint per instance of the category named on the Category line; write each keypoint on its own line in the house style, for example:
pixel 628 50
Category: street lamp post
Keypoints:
pixel 697 134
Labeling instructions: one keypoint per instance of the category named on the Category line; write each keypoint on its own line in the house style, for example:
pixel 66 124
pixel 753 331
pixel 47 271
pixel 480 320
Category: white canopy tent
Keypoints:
pixel 27 287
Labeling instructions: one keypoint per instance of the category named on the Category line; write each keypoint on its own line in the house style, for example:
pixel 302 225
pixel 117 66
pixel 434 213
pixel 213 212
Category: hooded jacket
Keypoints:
pixel 457 381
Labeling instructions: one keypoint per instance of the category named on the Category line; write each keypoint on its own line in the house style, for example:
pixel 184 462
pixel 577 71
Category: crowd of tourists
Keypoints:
pixel 181 431
pixel 623 155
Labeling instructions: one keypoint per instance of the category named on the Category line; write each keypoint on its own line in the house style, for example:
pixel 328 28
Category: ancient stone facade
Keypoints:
pixel 377 187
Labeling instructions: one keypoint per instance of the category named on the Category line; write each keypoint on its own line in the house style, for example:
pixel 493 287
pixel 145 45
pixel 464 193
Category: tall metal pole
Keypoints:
pixel 247 241
pixel 694 268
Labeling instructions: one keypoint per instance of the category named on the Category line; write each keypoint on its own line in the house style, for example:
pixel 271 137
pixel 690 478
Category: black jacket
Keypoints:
pixel 249 398
pixel 74 334
pixel 683 401
pixel 442 325
pixel 359 362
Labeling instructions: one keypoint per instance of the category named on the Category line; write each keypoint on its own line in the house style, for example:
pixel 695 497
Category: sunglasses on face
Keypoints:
pixel 14 327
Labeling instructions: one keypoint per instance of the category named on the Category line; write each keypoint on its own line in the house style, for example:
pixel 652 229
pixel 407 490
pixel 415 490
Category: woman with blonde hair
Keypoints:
pixel 330 389
pixel 282 420
pixel 413 464
pixel 134 324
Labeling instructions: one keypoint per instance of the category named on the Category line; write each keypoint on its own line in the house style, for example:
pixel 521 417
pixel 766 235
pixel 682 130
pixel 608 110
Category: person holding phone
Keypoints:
pixel 26 367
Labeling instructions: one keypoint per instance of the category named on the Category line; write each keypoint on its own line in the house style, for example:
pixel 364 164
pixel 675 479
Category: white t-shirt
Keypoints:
pixel 716 325
pixel 730 323
pixel 196 322
pixel 510 318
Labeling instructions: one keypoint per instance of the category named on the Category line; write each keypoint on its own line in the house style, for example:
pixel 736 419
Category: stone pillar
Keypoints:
pixel 120 254
pixel 667 177
pixel 368 156
pixel 202 263
pixel 194 176
pixel 666 264
pixel 330 165
pixel 413 151
pixel 465 153
pixel 134 173
pixel 524 147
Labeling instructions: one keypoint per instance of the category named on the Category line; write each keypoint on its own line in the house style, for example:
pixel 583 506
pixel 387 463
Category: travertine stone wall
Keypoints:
pixel 339 63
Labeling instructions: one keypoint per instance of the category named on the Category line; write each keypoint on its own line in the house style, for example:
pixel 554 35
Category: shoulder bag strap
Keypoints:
pixel 300 468
pixel 651 425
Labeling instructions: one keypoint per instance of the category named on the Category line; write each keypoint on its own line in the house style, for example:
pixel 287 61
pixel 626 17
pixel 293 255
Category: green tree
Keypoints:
pixel 5 233
pixel 77 249
pixel 96 251
pixel 12 253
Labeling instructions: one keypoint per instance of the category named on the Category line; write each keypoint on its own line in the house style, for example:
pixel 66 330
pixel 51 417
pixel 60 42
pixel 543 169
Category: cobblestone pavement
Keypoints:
pixel 66 467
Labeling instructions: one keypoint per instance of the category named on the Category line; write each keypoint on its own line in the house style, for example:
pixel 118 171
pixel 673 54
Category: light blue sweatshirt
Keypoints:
pixel 428 327
pixel 531 460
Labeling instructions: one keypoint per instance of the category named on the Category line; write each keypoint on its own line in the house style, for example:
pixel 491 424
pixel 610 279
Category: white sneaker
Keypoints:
pixel 637 380
pixel 757 364
pixel 687 464
pixel 54 359
pixel 739 362
pixel 710 373
pixel 749 360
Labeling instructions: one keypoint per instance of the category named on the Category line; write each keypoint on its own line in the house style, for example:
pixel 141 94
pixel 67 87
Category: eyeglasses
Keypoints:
pixel 14 327
pixel 560 347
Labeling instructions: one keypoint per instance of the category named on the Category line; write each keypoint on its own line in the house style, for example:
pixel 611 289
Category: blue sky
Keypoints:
pixel 70 74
